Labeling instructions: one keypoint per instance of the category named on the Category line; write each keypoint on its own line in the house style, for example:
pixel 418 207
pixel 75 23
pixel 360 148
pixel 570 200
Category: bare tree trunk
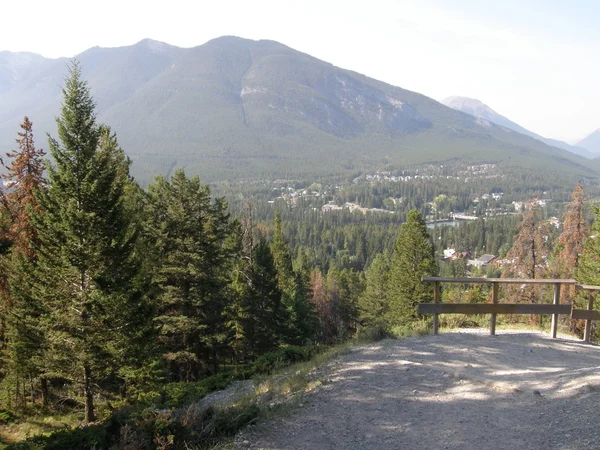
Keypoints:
pixel 45 392
pixel 90 415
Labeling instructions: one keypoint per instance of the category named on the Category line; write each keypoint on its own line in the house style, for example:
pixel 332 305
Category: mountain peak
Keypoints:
pixel 480 110
pixel 591 142
pixel 155 46
pixel 471 106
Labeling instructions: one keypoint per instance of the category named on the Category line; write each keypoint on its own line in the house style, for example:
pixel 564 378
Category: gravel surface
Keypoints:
pixel 459 390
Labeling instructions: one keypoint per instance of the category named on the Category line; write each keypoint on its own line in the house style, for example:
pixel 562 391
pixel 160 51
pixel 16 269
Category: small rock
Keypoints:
pixel 536 392
pixel 415 391
pixel 246 443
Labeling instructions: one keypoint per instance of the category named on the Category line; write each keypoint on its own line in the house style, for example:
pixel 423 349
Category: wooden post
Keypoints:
pixel 436 299
pixel 493 316
pixel 588 322
pixel 555 316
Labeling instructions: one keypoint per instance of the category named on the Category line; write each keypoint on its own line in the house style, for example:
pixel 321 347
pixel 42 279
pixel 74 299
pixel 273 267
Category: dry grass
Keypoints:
pixel 38 425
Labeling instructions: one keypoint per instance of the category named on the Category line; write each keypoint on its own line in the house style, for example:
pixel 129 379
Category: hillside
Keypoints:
pixel 479 109
pixel 239 109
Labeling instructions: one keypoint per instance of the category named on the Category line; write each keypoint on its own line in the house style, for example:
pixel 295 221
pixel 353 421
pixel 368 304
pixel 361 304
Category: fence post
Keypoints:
pixel 556 302
pixel 494 301
pixel 436 299
pixel 588 322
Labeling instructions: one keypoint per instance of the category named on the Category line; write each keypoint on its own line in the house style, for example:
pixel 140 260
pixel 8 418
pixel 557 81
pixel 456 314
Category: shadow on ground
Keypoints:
pixel 457 390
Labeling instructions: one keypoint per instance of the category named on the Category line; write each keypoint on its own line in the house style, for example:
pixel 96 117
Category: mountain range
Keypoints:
pixel 479 109
pixel 238 109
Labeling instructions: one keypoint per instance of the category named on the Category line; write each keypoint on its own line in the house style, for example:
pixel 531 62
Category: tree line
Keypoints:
pixel 108 287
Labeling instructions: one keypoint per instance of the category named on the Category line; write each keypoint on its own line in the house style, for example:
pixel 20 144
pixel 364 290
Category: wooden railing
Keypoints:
pixel 495 308
pixel 587 314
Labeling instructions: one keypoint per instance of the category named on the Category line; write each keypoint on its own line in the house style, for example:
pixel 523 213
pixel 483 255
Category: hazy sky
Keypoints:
pixel 535 61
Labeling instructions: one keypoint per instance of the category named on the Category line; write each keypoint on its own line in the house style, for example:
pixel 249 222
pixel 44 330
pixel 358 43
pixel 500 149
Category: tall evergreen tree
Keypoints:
pixel 302 320
pixel 87 267
pixel 571 240
pixel 568 248
pixel 412 259
pixel 527 257
pixel 189 231
pixel 374 303
pixel 268 318
pixel 24 175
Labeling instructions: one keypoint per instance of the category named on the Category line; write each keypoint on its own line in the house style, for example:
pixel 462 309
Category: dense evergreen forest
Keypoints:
pixel 111 293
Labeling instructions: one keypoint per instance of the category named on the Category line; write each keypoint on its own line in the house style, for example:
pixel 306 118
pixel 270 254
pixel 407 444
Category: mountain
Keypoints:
pixel 478 109
pixel 237 109
pixel 592 142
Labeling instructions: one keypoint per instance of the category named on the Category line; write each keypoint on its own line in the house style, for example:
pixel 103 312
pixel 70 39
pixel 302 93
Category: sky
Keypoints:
pixel 536 62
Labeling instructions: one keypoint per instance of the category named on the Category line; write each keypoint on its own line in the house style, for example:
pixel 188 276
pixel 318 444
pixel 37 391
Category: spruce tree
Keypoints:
pixel 302 321
pixel 374 302
pixel 412 259
pixel 189 232
pixel 268 318
pixel 87 267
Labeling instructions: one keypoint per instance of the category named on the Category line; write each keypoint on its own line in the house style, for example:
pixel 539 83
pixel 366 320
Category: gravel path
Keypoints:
pixel 460 390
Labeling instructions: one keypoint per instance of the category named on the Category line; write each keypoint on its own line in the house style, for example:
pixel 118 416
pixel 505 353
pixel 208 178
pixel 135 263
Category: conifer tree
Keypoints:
pixel 374 303
pixel 571 240
pixel 268 318
pixel 189 231
pixel 412 259
pixel 569 246
pixel 293 287
pixel 24 175
pixel 588 269
pixel 527 256
pixel 87 267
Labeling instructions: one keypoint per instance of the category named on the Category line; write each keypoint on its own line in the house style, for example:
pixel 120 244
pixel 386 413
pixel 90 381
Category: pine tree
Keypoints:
pixel 87 267
pixel 189 231
pixel 571 240
pixel 412 259
pixel 374 302
pixel 24 175
pixel 268 318
pixel 529 251
pixel 527 257
pixel 295 293
pixel 569 246
pixel 588 268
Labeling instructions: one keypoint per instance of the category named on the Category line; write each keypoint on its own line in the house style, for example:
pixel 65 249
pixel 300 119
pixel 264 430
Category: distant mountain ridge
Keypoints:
pixel 235 109
pixel 479 109
pixel 591 142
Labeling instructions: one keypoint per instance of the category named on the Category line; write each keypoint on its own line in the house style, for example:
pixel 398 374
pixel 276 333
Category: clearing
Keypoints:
pixel 459 390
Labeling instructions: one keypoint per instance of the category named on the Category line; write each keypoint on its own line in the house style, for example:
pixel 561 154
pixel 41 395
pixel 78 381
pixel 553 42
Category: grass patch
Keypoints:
pixel 26 427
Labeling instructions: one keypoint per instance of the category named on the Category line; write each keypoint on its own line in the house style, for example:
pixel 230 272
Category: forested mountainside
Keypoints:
pixel 240 109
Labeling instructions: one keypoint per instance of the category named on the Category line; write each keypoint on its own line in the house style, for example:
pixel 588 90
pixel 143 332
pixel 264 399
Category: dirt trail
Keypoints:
pixel 460 390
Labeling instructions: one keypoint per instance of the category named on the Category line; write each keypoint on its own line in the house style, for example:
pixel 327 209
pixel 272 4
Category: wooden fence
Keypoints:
pixel 495 308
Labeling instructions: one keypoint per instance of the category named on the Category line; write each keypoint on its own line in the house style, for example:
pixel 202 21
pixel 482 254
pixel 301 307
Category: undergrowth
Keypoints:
pixel 172 417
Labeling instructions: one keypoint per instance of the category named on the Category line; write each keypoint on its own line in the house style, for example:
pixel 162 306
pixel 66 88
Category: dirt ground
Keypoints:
pixel 459 390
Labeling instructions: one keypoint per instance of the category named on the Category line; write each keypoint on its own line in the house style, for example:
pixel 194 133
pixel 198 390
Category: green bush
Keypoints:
pixel 6 417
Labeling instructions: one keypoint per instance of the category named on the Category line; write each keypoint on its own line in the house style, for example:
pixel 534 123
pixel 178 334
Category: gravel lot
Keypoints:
pixel 459 390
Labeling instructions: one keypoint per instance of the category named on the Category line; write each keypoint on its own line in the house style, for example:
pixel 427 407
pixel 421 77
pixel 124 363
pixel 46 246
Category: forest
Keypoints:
pixel 117 300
